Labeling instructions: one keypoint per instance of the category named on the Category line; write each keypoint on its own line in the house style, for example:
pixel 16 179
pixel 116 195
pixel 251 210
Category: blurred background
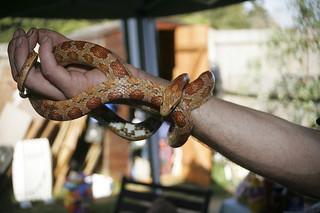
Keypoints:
pixel 264 54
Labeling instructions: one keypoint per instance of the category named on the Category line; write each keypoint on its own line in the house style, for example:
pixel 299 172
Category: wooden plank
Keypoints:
pixel 48 129
pixel 66 151
pixel 191 37
pixel 92 158
pixel 60 179
pixel 35 127
pixel 191 50
pixel 57 143
pixel 70 141
pixel 191 55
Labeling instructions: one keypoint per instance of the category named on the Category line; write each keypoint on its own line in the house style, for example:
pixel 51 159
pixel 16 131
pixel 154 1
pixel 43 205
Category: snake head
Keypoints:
pixel 173 94
pixel 166 109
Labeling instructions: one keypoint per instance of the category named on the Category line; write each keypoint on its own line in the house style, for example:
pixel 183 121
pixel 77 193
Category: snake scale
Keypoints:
pixel 173 103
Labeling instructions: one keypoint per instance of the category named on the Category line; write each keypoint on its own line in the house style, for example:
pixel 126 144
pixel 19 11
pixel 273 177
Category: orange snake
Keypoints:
pixel 173 103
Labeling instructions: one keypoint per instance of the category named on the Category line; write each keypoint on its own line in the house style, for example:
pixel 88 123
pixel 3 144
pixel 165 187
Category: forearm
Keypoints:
pixel 265 144
pixel 272 147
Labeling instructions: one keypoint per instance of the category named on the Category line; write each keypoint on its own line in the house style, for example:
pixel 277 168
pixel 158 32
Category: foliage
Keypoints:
pixel 9 25
pixel 300 95
pixel 299 86
pixel 236 16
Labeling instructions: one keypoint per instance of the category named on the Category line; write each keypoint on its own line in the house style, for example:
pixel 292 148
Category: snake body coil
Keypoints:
pixel 173 103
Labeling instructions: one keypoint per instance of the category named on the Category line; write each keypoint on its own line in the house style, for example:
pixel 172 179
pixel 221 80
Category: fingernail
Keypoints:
pixel 18 42
pixel 17 33
pixel 30 32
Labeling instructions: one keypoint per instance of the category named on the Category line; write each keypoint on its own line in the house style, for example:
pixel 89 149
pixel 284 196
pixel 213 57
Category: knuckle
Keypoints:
pixel 46 72
pixel 70 92
pixel 42 31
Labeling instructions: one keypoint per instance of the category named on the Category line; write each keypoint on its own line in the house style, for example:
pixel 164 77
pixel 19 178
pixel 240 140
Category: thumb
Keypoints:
pixel 52 71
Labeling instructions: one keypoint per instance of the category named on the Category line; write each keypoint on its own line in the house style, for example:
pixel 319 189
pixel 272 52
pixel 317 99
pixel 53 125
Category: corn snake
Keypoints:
pixel 173 103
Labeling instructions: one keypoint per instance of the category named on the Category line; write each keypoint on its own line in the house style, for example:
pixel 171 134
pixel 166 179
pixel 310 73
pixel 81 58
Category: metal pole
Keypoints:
pixel 140 38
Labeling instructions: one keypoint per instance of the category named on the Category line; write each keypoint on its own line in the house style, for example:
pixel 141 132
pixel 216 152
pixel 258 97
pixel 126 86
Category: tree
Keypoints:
pixel 9 25
pixel 238 16
pixel 299 88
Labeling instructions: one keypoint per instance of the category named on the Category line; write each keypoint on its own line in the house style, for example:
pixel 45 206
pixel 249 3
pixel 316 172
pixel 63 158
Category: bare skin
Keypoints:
pixel 272 147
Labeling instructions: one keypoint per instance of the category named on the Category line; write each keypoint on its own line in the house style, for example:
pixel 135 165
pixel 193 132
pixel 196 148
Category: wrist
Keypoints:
pixel 138 73
pixel 200 118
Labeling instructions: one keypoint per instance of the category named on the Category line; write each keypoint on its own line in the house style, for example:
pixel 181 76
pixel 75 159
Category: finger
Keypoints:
pixel 36 81
pixel 55 37
pixel 53 72
pixel 32 36
pixel 18 50
pixel 21 52
pixel 11 52
pixel 39 84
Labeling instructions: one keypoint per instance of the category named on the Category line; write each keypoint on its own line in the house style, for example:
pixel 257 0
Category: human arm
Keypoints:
pixel 263 143
pixel 270 146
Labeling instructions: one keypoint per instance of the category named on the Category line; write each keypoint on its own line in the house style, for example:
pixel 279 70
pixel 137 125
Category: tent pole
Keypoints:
pixel 141 44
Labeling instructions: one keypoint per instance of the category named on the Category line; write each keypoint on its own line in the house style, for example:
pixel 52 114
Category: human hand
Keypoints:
pixel 48 78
